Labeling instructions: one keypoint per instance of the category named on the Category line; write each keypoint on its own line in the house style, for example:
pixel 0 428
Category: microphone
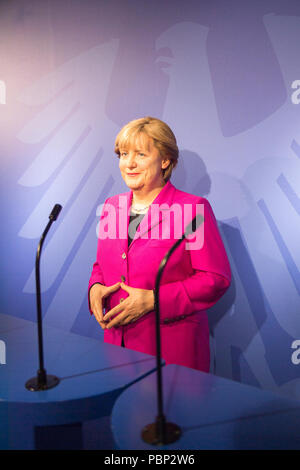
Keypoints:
pixel 162 432
pixel 42 381
pixel 193 225
pixel 55 212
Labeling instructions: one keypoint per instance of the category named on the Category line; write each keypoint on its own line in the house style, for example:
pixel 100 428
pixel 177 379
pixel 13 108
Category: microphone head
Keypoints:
pixel 193 225
pixel 55 212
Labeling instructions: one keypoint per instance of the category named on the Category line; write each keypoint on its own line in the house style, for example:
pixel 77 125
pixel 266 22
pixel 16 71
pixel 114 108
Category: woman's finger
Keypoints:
pixel 100 320
pixel 98 312
pixel 111 289
pixel 117 320
pixel 126 288
pixel 117 309
pixel 97 305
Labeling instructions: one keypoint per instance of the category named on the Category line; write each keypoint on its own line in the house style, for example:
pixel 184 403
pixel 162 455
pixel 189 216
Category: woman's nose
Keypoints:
pixel 131 160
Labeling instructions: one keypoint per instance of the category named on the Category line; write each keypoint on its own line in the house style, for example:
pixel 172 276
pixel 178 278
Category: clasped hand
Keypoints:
pixel 138 303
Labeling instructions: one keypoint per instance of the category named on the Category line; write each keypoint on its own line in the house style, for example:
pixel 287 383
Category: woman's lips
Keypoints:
pixel 132 174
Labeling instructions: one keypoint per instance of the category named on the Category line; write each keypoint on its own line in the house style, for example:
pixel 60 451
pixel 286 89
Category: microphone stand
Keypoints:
pixel 162 432
pixel 42 381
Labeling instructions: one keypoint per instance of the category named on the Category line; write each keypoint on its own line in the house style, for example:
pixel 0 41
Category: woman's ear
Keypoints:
pixel 165 163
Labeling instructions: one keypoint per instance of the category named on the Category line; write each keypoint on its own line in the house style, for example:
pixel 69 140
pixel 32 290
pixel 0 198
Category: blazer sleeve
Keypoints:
pixel 96 275
pixel 210 279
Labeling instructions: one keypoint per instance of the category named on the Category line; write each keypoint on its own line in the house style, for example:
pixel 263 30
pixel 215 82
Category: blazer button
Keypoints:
pixel 124 255
pixel 166 321
pixel 123 278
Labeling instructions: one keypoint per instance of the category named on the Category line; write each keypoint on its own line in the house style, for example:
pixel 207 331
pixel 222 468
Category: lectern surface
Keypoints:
pixel 92 374
pixel 213 413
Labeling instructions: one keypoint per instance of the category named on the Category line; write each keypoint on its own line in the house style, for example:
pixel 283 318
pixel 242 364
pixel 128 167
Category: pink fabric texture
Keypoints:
pixel 193 280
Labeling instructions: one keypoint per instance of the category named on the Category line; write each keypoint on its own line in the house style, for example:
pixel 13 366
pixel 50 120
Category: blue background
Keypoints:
pixel 224 76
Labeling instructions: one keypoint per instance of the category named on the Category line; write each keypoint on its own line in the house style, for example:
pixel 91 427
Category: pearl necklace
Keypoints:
pixel 139 210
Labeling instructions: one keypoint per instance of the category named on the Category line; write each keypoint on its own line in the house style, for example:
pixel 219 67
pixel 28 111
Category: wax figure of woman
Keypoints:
pixel 132 241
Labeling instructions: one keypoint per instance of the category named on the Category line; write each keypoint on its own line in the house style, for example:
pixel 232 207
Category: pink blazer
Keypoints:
pixel 193 279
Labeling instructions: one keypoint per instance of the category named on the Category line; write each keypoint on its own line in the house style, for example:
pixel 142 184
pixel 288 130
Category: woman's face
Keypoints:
pixel 141 165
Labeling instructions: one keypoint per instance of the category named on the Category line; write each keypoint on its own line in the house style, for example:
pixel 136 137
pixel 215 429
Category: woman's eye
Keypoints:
pixel 141 154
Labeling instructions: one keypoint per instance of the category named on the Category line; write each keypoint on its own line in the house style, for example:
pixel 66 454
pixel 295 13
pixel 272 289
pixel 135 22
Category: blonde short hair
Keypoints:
pixel 160 133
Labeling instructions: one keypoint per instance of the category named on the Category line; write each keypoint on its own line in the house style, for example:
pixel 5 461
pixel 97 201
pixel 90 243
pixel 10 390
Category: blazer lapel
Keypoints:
pixel 151 219
pixel 122 219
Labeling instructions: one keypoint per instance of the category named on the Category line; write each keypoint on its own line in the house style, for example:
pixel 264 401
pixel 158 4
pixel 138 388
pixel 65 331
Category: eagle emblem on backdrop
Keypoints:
pixel 251 175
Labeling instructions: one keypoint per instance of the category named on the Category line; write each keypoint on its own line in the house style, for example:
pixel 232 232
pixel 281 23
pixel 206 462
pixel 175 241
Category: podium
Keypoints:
pixel 92 374
pixel 101 380
pixel 212 412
